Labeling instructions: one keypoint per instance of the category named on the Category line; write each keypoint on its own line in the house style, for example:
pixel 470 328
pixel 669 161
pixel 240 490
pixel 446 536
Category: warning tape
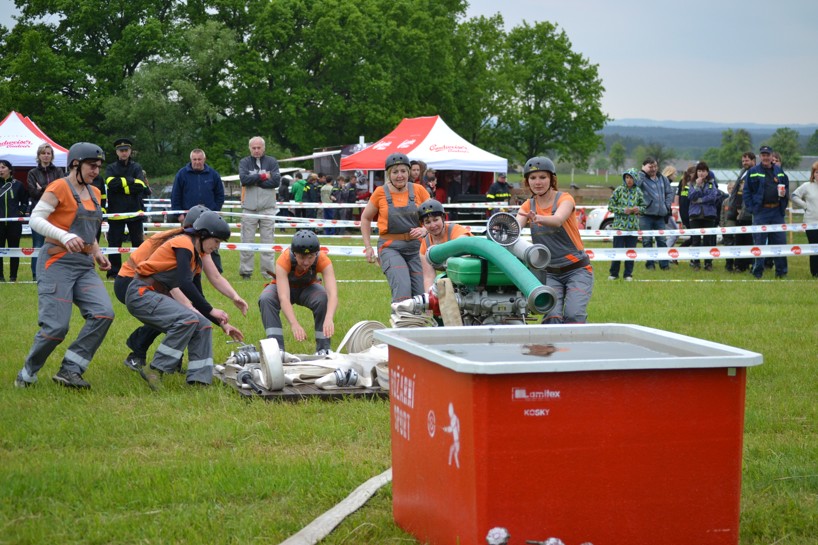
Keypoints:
pixel 596 254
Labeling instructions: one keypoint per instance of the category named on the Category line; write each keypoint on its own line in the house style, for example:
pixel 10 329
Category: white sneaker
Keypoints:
pixel 613 277
pixel 628 279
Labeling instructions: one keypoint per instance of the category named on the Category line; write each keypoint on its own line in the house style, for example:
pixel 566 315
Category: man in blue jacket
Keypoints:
pixel 768 204
pixel 198 183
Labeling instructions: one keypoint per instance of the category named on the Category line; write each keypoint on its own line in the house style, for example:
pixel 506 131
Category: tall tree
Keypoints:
pixel 480 88
pixel 785 141
pixel 171 106
pixel 63 58
pixel 553 101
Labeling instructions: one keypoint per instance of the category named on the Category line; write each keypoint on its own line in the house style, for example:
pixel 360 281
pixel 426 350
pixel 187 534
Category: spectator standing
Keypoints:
pixel 197 183
pixel 347 195
pixel 737 214
pixel 669 172
pixel 776 158
pixel 329 196
pixel 434 189
pixel 396 205
pixel 126 188
pixel 626 203
pixel 362 189
pixel 297 193
pixel 416 170
pixel 296 283
pixel 806 197
pixel 38 179
pixel 284 194
pixel 68 216
pixel 682 198
pixel 499 191
pixel 705 199
pixel 767 196
pixel 658 205
pixel 312 194
pixel 550 213
pixel 260 176
pixel 13 204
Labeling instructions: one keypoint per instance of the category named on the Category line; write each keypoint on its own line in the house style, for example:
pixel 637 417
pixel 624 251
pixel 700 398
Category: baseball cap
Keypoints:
pixel 765 149
pixel 501 175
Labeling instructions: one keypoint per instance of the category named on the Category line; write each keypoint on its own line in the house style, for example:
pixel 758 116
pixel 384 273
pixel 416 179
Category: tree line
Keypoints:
pixel 734 142
pixel 209 74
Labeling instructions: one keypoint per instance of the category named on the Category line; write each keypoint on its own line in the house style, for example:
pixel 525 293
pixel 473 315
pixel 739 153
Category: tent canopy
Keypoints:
pixel 430 140
pixel 19 139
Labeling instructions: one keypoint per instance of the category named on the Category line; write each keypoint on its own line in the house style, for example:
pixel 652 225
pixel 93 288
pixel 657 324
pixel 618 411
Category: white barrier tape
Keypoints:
pixel 596 254
pixel 121 215
pixel 701 252
pixel 772 228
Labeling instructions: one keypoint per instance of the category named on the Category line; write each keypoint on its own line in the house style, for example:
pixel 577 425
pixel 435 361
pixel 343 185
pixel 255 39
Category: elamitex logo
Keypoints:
pixel 522 394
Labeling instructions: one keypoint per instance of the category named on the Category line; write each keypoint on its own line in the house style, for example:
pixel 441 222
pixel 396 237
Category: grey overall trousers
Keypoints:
pixel 63 279
pixel 400 257
pixel 185 328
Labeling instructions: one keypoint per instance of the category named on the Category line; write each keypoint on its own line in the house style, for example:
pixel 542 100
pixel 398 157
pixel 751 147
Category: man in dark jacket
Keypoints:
pixel 499 191
pixel 126 188
pixel 766 196
pixel 198 183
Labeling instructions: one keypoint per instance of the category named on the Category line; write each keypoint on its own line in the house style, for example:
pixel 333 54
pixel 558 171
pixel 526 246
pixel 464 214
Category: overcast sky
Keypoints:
pixel 704 60
pixel 698 60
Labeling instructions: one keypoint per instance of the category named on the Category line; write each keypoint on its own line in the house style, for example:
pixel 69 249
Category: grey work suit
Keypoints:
pixel 70 279
pixel 313 296
pixel 571 281
pixel 400 259
pixel 185 329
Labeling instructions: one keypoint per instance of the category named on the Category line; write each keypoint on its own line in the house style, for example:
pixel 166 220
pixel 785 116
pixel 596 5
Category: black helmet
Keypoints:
pixel 396 159
pixel 430 207
pixel 210 224
pixel 193 214
pixel 305 242
pixel 539 163
pixel 84 151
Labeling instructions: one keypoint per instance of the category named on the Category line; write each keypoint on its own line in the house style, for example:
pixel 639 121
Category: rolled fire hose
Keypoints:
pixel 540 299
pixel 360 336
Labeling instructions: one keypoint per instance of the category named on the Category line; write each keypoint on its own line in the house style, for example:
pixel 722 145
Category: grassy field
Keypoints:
pixel 122 464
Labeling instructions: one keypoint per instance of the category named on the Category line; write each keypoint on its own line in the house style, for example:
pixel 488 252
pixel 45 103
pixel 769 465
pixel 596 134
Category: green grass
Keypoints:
pixel 121 464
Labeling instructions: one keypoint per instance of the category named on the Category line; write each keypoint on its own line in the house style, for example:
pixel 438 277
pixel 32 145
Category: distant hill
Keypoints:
pixel 690 139
pixel 635 122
